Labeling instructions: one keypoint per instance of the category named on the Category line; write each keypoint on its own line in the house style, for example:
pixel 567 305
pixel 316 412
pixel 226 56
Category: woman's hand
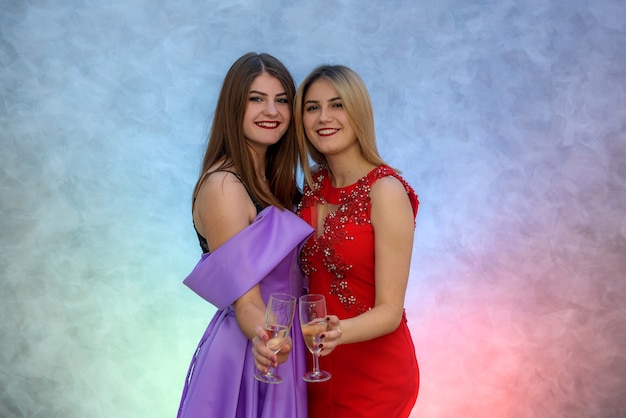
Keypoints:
pixel 333 335
pixel 264 358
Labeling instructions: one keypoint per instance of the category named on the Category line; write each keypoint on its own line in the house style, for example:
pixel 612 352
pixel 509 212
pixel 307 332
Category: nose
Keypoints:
pixel 325 115
pixel 270 108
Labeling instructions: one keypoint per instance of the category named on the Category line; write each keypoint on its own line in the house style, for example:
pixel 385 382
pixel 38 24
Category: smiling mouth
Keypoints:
pixel 268 125
pixel 327 131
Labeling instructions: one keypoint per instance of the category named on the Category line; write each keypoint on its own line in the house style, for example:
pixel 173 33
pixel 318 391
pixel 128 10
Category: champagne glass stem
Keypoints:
pixel 270 372
pixel 316 365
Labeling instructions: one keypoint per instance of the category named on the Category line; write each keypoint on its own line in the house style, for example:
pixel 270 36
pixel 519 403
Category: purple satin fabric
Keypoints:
pixel 220 381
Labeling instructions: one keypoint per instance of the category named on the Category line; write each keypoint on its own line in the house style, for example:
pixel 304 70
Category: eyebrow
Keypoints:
pixel 334 99
pixel 265 94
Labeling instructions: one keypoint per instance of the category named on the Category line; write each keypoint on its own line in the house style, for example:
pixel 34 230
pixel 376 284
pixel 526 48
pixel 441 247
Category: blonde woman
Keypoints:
pixel 363 213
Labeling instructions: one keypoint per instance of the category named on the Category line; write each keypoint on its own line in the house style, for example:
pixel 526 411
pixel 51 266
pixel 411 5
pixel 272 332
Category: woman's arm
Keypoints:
pixel 222 209
pixel 393 223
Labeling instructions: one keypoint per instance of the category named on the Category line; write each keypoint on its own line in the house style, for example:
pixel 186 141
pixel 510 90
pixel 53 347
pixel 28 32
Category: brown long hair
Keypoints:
pixel 226 141
pixel 358 107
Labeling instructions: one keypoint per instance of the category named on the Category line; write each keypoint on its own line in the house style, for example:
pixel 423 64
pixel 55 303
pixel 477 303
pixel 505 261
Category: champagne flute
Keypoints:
pixel 278 320
pixel 313 322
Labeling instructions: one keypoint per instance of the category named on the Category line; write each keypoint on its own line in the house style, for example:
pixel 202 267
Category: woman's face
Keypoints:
pixel 326 123
pixel 268 111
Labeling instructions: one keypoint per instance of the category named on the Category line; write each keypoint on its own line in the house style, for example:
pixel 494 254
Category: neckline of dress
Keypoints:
pixel 337 195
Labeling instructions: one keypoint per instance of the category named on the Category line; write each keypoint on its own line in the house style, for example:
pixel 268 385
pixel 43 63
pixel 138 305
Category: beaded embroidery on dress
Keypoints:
pixel 353 209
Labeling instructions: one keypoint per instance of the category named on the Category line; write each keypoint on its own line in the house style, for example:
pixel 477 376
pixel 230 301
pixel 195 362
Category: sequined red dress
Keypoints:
pixel 376 378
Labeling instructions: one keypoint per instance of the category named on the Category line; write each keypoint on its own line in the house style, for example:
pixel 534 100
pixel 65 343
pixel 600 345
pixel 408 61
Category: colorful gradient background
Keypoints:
pixel 508 117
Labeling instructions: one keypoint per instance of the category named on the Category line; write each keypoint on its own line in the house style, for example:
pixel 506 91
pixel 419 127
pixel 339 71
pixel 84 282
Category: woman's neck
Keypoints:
pixel 347 171
pixel 258 158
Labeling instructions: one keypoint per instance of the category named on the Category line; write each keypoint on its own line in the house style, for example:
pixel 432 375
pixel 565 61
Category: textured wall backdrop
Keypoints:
pixel 508 118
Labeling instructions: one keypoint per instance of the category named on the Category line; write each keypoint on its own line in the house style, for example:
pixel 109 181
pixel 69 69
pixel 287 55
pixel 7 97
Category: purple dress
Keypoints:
pixel 220 381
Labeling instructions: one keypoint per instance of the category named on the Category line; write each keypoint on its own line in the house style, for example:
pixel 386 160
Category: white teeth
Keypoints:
pixel 268 124
pixel 327 131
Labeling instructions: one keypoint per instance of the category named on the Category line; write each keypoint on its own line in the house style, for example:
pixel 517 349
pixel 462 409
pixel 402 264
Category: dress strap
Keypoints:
pixel 256 203
pixel 204 245
pixel 384 171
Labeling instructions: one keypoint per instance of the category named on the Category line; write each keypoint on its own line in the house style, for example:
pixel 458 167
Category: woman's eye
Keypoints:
pixel 311 108
pixel 283 101
pixel 338 105
pixel 255 99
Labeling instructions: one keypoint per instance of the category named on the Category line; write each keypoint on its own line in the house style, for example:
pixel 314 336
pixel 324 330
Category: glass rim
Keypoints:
pixel 312 297
pixel 282 296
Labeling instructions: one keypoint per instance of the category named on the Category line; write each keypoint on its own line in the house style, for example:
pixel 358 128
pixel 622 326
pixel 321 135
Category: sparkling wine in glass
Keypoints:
pixel 278 320
pixel 313 323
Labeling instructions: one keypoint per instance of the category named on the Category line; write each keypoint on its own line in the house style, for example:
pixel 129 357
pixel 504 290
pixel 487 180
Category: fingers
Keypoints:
pixel 332 337
pixel 334 326
pixel 260 332
pixel 261 360
pixel 285 349
pixel 264 358
pixel 283 354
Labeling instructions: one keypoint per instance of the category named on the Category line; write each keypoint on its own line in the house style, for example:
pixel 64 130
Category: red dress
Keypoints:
pixel 375 378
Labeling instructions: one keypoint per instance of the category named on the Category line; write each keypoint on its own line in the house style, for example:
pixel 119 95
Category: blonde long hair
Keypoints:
pixel 357 104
